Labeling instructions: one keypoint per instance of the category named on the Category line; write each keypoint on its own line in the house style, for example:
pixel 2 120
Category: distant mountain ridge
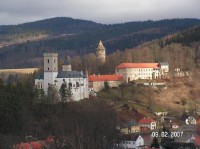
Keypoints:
pixel 51 26
pixel 22 45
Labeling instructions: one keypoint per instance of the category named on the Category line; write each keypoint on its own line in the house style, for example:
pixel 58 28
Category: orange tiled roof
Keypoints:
pixel 198 122
pixel 93 78
pixel 138 65
pixel 146 121
pixel 197 141
pixel 28 145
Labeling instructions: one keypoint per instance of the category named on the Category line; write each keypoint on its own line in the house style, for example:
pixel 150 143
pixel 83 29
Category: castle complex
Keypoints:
pixel 76 81
pixel 135 71
pixel 101 53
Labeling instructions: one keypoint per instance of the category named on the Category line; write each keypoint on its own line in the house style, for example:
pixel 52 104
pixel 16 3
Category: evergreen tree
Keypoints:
pixel 52 95
pixel 63 91
pixel 106 86
pixel 155 143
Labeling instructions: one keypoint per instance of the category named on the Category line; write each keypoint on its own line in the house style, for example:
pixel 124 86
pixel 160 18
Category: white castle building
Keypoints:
pixel 75 80
pixel 135 71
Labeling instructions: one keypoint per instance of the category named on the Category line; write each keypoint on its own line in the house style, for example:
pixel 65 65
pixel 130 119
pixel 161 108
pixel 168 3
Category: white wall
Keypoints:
pixel 139 142
pixel 49 78
pixel 137 73
pixel 39 83
pixel 80 92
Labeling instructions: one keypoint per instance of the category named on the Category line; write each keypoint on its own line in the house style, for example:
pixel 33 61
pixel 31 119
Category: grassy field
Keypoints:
pixel 18 71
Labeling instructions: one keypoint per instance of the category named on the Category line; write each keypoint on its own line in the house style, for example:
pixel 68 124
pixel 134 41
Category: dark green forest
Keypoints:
pixel 89 123
pixel 78 37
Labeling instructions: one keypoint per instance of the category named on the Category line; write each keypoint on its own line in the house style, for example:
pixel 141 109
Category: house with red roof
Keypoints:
pixel 147 123
pixel 35 144
pixel 97 82
pixel 135 71
pixel 30 145
pixel 196 141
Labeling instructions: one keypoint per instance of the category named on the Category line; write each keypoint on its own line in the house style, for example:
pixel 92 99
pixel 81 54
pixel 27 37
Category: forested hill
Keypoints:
pixel 51 26
pixel 22 45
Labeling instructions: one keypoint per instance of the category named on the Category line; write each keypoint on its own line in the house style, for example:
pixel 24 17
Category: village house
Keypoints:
pixel 161 113
pixel 97 82
pixel 76 82
pixel 135 71
pixel 35 144
pixel 130 127
pixel 147 123
pixel 190 120
pixel 132 142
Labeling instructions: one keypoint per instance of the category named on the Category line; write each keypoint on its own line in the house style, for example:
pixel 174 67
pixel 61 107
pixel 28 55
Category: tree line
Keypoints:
pixel 88 123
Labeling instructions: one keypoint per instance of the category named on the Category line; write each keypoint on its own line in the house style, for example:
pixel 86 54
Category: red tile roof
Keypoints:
pixel 197 141
pixel 146 121
pixel 138 65
pixel 198 122
pixel 93 78
pixel 28 145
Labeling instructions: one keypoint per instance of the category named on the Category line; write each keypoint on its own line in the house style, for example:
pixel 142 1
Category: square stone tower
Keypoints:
pixel 50 69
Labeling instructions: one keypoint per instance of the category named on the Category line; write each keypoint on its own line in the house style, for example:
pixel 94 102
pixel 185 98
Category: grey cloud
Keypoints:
pixel 103 11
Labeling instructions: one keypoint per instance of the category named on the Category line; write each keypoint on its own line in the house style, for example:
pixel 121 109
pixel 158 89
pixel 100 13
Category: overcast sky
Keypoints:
pixel 101 11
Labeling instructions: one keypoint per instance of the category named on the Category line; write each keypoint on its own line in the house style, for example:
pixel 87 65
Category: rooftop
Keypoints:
pixel 67 61
pixel 164 64
pixel 138 65
pixel 146 121
pixel 50 54
pixel 40 76
pixel 70 74
pixel 100 46
pixel 93 78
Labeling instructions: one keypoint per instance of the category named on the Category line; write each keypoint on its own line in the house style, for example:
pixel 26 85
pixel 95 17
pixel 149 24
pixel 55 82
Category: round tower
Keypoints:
pixel 101 53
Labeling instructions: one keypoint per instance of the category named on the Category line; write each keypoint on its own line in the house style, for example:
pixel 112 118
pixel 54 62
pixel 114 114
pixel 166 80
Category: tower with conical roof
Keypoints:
pixel 101 53
pixel 67 66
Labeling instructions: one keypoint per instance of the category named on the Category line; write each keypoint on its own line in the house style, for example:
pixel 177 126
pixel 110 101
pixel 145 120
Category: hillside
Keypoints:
pixel 22 45
pixel 180 95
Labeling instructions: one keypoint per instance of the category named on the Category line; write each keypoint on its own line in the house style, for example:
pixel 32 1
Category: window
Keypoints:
pixel 48 61
pixel 77 84
pixel 54 60
pixel 70 85
pixel 48 68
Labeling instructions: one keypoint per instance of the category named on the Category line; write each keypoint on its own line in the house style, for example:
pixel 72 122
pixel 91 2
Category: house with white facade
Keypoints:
pixel 134 142
pixel 76 81
pixel 130 127
pixel 164 69
pixel 190 121
pixel 148 123
pixel 135 71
